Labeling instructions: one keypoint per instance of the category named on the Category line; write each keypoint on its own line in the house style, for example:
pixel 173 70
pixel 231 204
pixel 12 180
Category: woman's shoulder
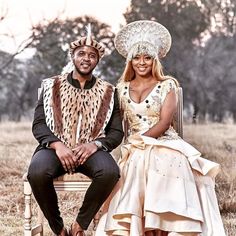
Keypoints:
pixel 170 83
pixel 122 85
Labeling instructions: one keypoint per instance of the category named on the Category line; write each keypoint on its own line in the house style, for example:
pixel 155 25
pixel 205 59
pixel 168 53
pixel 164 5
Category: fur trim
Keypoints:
pixel 56 104
pixel 102 112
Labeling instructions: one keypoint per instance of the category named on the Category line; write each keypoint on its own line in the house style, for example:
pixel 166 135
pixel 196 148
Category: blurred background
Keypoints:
pixel 34 37
pixel 202 57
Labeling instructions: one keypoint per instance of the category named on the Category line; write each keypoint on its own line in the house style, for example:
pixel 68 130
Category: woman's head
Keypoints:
pixel 143 39
pixel 143 65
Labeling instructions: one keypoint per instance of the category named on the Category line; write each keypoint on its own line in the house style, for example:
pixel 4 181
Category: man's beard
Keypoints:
pixel 83 73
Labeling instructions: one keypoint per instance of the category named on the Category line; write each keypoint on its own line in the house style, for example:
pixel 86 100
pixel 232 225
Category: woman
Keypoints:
pixel 166 187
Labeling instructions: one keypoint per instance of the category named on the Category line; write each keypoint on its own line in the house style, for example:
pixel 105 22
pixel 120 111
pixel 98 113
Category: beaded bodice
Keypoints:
pixel 142 116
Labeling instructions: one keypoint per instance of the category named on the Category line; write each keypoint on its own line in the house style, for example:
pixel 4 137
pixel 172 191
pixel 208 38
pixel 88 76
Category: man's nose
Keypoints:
pixel 86 57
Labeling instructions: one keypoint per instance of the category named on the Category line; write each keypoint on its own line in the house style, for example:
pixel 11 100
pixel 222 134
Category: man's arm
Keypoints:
pixel 40 129
pixel 114 130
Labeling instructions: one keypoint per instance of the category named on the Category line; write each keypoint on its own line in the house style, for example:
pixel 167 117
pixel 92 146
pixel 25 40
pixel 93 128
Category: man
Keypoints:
pixel 77 123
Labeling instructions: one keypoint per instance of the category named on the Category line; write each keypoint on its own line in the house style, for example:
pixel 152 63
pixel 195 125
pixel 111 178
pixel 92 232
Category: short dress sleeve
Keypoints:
pixel 121 89
pixel 167 86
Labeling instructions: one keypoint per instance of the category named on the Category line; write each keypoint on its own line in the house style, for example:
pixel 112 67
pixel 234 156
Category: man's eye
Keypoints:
pixel 92 56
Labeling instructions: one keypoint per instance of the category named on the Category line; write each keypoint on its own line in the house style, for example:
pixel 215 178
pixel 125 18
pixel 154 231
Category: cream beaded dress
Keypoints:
pixel 165 183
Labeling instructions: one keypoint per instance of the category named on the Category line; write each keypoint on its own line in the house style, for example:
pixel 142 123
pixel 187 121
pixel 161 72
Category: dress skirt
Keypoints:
pixel 165 185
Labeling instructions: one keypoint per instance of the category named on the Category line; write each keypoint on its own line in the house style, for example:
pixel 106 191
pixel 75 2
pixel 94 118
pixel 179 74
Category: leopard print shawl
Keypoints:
pixel 77 115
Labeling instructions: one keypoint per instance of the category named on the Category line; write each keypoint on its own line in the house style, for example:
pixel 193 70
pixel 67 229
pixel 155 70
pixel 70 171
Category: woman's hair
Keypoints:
pixel 157 72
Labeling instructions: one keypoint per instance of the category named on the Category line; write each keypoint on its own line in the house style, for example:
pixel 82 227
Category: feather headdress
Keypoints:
pixel 87 41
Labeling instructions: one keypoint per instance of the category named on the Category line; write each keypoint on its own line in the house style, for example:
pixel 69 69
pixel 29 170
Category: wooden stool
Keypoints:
pixel 76 182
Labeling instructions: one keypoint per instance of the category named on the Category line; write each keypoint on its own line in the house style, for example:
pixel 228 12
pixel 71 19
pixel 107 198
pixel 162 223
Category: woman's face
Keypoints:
pixel 142 65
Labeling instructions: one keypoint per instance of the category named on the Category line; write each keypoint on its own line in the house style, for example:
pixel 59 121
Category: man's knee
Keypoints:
pixel 110 176
pixel 103 168
pixel 37 174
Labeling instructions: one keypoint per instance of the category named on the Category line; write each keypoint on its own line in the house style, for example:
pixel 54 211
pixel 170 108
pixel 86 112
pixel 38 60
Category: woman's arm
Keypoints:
pixel 166 116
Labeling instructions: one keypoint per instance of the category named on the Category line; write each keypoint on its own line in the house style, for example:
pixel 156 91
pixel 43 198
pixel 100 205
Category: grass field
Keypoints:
pixel 217 142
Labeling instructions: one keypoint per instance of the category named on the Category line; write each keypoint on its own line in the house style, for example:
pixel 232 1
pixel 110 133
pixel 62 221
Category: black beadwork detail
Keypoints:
pixel 139 116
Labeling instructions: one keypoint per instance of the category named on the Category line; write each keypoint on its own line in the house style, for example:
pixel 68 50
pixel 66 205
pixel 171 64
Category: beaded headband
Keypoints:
pixel 87 41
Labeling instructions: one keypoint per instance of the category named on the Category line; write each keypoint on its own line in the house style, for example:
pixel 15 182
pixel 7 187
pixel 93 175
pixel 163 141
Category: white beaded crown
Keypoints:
pixel 143 36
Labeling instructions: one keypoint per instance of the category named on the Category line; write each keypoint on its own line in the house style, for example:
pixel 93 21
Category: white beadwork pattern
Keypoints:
pixel 143 34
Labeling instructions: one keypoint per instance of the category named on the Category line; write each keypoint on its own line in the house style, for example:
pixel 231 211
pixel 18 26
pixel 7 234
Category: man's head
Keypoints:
pixel 85 53
pixel 88 40
pixel 85 59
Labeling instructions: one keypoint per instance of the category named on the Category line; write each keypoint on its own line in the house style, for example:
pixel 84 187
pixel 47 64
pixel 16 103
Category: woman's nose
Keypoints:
pixel 142 61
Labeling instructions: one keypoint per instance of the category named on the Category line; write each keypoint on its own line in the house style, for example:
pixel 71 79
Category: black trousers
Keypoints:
pixel 45 166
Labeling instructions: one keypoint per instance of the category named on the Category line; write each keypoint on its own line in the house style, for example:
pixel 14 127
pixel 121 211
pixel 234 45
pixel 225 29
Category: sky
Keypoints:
pixel 21 14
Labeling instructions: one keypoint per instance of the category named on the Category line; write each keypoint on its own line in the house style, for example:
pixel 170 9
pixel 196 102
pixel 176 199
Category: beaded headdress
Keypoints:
pixel 143 36
pixel 83 41
pixel 87 40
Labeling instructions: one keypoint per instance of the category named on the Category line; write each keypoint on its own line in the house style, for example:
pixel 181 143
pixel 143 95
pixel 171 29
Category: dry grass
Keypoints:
pixel 216 142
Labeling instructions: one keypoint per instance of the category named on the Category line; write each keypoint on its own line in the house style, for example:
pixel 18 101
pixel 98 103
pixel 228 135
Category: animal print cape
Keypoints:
pixel 77 115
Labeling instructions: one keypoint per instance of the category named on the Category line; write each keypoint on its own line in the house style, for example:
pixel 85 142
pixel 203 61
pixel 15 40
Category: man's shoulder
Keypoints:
pixel 48 82
pixel 52 79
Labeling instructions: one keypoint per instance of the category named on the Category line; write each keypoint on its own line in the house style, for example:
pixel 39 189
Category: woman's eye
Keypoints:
pixel 136 58
pixel 147 58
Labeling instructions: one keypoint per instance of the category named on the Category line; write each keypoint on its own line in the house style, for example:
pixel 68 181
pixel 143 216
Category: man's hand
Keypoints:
pixel 84 151
pixel 66 156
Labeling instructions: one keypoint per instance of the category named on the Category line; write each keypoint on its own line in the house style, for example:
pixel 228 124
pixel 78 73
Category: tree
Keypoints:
pixel 189 60
pixel 54 37
pixel 186 23
pixel 223 15
pixel 50 40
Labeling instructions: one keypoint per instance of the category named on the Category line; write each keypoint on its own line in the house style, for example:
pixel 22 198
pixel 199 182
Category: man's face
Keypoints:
pixel 85 59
